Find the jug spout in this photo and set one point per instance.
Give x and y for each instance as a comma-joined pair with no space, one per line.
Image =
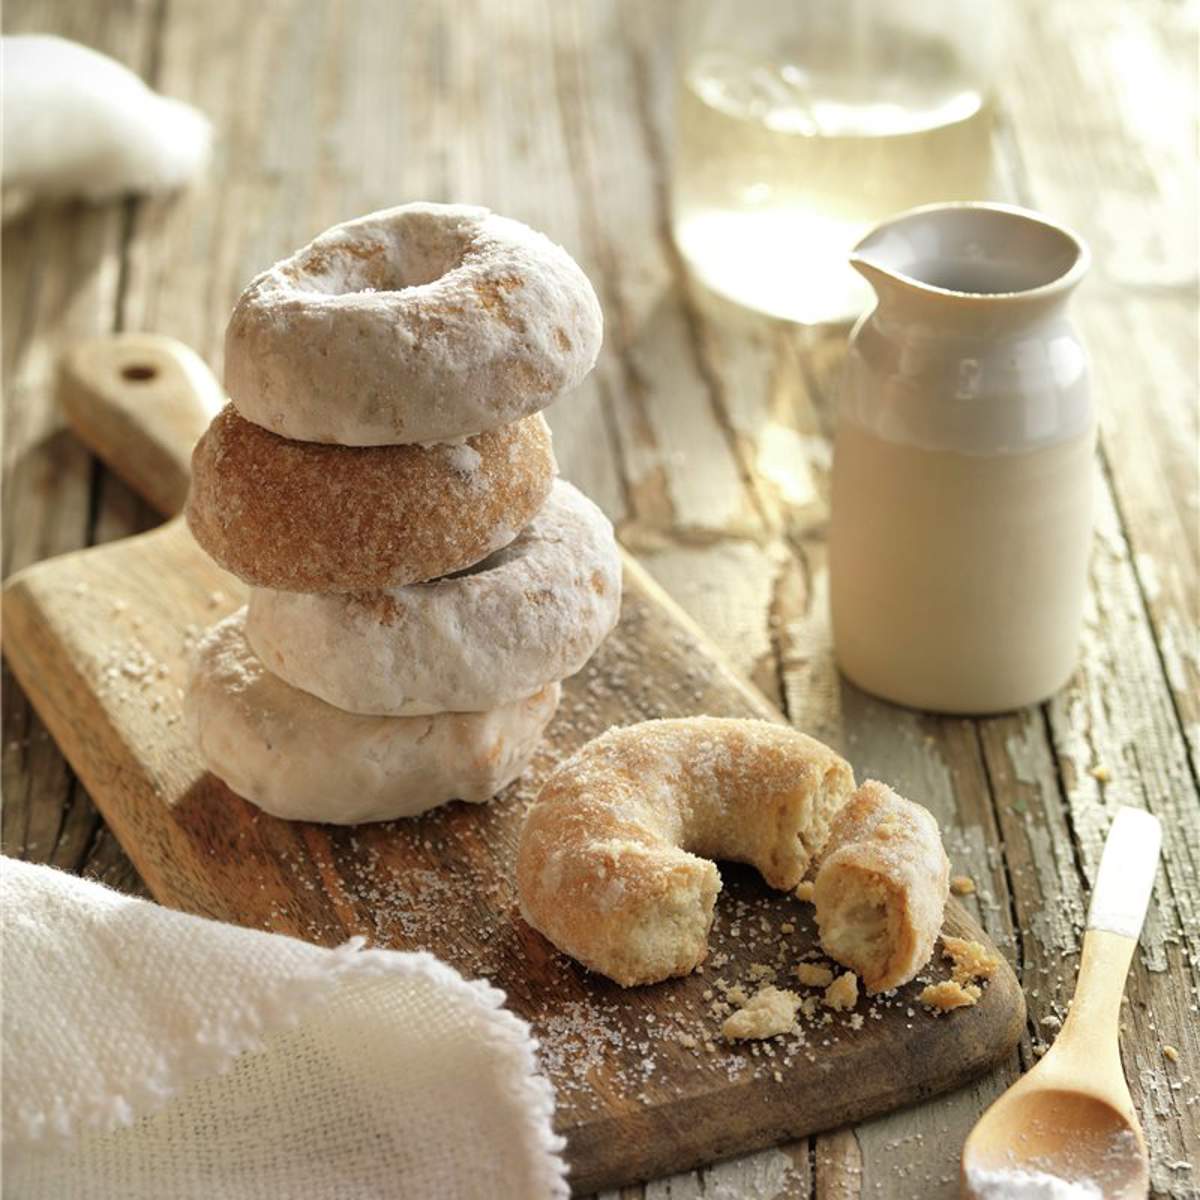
879,276
970,257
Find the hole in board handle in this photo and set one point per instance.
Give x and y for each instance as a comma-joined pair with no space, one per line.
138,372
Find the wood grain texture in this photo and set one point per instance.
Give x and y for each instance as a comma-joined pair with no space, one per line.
704,433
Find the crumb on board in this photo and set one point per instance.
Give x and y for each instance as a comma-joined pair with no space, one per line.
804,891
842,993
813,974
962,885
1170,1053
1101,774
947,995
971,960
770,1012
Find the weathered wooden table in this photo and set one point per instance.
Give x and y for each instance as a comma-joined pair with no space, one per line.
704,433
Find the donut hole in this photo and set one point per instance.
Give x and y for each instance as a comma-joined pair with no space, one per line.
410,252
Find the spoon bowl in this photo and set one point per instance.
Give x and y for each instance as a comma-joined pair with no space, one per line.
1068,1134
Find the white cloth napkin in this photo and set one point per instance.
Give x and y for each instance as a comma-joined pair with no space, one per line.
78,123
150,1054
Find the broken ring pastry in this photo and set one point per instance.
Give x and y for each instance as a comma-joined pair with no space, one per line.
298,758
529,614
881,888
614,862
304,517
422,323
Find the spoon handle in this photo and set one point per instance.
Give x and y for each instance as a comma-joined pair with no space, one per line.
1119,901
1126,876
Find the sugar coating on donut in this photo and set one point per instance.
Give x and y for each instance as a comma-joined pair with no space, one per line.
529,614
420,323
882,886
614,863
305,517
296,757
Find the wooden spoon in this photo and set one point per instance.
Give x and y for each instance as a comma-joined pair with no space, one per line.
1068,1128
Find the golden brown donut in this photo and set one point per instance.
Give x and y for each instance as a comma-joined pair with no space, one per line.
882,887
307,517
613,864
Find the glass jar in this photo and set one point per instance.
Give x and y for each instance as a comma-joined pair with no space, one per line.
801,124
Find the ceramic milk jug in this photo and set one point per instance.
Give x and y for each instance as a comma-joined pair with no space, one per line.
964,470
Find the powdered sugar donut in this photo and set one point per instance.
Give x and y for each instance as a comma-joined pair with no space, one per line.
422,323
299,758
311,518
531,613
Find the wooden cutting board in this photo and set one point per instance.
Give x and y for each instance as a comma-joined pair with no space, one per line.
100,638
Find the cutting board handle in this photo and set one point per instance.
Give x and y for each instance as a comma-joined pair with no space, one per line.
140,401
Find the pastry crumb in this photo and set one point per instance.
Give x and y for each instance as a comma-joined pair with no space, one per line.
1170,1053
971,962
812,974
842,993
1101,774
962,885
770,1012
970,959
947,995
804,891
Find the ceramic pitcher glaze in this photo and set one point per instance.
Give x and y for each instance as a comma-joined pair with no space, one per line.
964,473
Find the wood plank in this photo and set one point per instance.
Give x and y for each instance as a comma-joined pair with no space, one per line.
61,280
1114,155
1107,142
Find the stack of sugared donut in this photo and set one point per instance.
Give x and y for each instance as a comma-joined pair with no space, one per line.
384,481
